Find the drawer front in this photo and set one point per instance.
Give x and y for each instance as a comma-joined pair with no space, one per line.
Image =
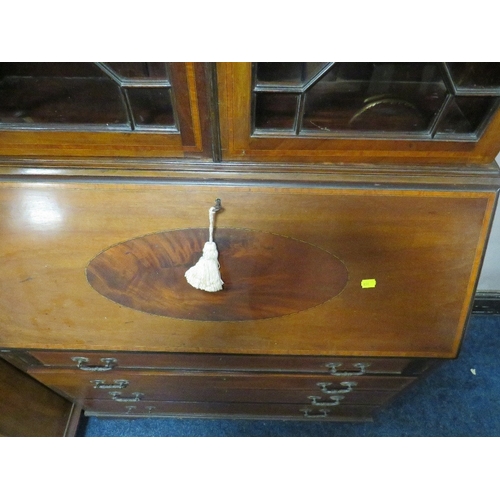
111,361
307,271
102,408
129,386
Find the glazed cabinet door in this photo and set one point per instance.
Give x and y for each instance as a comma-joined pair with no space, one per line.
424,113
104,110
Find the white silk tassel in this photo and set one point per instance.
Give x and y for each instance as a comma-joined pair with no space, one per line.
205,274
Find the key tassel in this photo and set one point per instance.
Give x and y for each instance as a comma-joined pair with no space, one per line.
205,274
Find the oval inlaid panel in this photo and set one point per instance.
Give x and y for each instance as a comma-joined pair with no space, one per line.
265,275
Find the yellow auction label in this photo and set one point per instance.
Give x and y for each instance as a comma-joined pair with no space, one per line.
371,283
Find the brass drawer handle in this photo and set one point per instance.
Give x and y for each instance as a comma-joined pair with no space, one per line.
361,366
335,401
130,409
322,413
117,384
109,364
324,387
116,396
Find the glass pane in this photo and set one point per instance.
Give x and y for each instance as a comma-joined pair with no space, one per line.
59,93
275,111
294,73
53,70
139,70
151,106
475,76
466,114
380,97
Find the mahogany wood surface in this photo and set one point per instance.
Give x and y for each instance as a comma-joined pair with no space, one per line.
28,409
193,106
219,386
423,247
283,275
181,361
284,411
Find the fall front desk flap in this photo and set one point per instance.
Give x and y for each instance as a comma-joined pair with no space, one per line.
323,271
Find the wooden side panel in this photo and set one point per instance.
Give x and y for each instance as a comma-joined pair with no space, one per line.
422,248
29,409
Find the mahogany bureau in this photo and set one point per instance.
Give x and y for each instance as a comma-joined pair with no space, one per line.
355,205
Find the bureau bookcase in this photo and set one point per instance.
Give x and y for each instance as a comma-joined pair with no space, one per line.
356,204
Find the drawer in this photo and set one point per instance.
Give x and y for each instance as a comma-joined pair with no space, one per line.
130,386
111,361
102,408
